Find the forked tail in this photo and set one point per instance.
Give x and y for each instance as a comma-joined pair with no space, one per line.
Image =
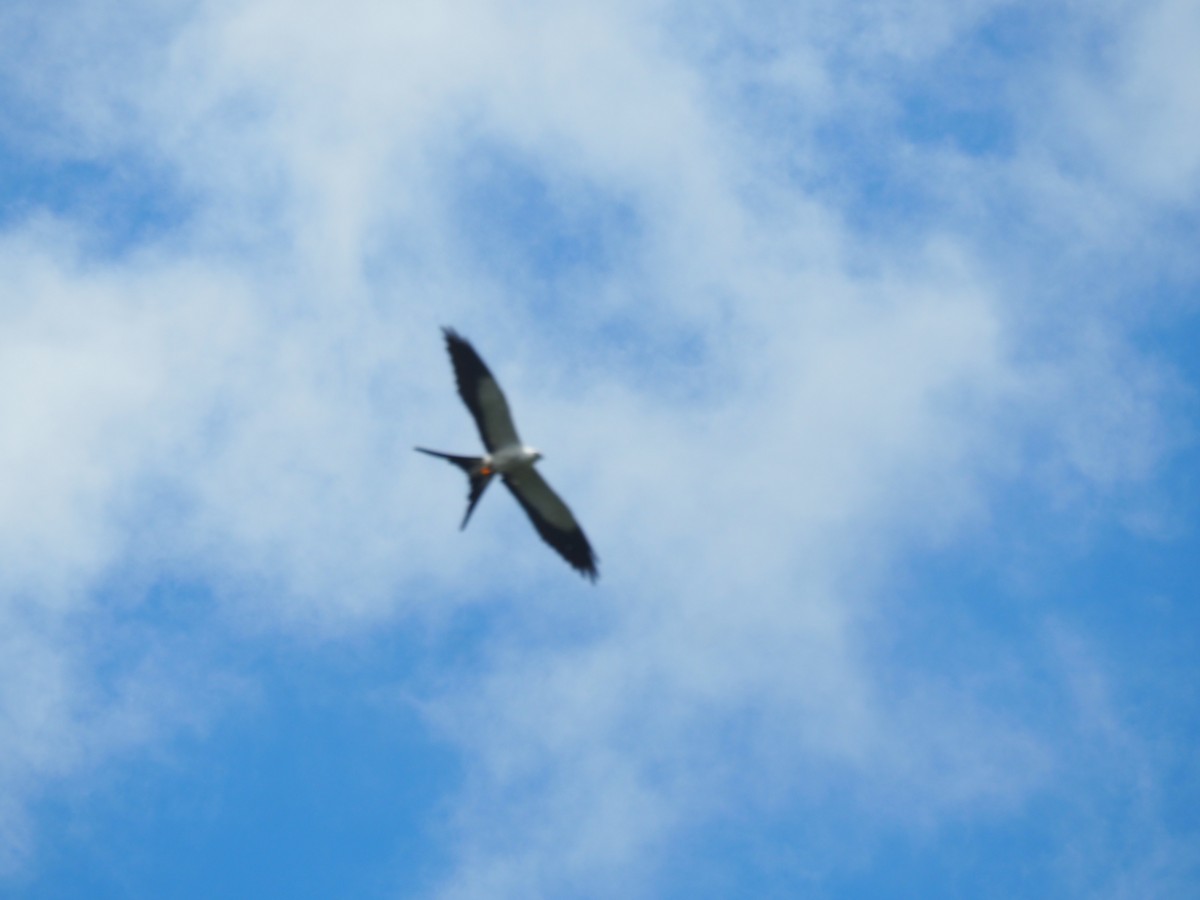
478,477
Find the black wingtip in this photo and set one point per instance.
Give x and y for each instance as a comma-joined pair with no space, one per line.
589,569
584,564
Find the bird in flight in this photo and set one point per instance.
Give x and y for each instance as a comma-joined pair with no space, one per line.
510,459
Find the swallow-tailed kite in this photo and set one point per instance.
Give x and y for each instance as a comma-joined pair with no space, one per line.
510,459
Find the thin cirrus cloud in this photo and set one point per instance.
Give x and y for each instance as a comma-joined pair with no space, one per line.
803,334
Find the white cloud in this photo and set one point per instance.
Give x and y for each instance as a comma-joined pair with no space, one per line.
1136,110
237,401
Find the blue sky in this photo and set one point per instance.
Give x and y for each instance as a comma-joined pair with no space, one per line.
860,336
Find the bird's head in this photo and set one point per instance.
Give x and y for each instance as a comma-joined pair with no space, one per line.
533,454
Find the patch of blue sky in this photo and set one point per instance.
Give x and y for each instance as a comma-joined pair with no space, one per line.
535,224
965,124
877,122
1121,567
837,849
542,232
324,784
555,240
966,616
1106,636
1094,823
877,183
141,588
983,856
1160,252
115,205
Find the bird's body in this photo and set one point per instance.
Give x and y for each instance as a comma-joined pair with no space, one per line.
509,458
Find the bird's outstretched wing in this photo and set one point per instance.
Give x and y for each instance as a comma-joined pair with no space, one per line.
479,390
552,519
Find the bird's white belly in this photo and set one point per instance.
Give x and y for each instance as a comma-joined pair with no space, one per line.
508,459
